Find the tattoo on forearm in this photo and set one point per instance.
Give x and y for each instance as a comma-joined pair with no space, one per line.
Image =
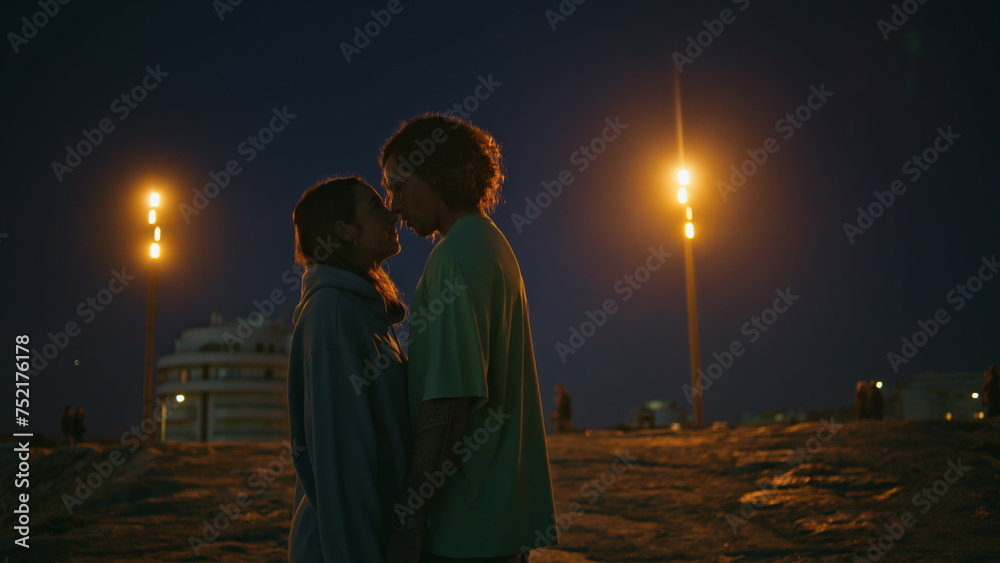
432,433
440,425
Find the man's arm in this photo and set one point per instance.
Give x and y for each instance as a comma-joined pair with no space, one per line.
440,425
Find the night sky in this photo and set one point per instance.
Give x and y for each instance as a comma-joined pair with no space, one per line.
880,96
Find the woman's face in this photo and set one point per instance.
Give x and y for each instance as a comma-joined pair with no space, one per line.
377,238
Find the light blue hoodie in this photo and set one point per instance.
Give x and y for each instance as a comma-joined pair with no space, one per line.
347,403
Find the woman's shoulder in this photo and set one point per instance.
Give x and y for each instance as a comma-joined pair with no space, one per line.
340,296
339,318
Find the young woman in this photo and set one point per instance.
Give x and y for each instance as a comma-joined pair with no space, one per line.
347,389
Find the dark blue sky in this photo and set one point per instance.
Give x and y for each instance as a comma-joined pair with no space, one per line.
553,90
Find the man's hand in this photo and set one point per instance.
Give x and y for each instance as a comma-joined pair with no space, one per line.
404,547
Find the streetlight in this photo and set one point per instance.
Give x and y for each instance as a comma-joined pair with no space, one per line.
684,180
163,416
154,253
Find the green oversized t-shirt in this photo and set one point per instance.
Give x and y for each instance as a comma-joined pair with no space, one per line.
470,337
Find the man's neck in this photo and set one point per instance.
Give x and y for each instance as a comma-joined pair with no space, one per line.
449,220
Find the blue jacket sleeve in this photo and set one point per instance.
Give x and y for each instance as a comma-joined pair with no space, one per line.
341,441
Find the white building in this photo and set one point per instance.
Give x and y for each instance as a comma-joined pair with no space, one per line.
226,382
947,396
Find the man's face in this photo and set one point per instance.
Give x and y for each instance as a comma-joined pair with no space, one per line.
413,198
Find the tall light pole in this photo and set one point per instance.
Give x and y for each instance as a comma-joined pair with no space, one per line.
154,254
684,179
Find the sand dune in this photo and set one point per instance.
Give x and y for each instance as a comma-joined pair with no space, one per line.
807,492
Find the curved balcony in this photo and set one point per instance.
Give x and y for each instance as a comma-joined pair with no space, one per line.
196,359
221,385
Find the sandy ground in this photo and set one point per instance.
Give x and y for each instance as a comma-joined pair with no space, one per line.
806,492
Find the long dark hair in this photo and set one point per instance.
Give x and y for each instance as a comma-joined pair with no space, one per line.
318,210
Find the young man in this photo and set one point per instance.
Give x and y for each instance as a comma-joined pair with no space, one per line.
478,485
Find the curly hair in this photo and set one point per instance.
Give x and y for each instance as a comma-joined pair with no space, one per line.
462,161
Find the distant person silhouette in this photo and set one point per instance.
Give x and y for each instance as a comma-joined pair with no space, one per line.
67,425
991,391
861,400
644,418
563,417
876,404
79,428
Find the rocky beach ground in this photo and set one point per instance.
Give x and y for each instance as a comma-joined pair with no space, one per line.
861,491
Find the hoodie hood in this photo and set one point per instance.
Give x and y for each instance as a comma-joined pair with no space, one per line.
320,276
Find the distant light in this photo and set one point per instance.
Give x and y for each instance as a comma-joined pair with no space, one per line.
76,362
975,395
152,216
688,213
154,250
683,177
980,414
682,195
156,234
180,398
689,230
154,199
947,416
878,384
